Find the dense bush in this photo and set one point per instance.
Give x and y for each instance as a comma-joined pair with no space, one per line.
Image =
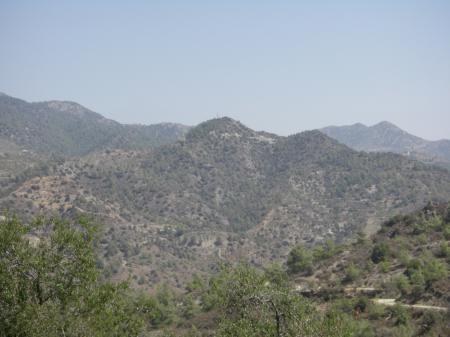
401,315
379,252
300,259
424,271
352,273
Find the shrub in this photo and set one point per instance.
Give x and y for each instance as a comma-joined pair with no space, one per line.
362,303
363,329
379,252
344,305
417,282
401,283
446,232
444,250
434,270
325,251
403,331
299,260
189,307
447,216
404,257
275,274
419,227
375,311
352,273
428,268
401,315
384,266
429,319
422,239
196,284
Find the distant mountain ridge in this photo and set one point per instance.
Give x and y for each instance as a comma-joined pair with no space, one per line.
386,137
68,128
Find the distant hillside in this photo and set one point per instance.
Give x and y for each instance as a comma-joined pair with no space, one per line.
227,192
386,137
69,129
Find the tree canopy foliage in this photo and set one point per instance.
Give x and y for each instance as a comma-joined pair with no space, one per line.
261,303
48,283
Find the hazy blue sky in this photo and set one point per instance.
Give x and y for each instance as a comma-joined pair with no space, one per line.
280,66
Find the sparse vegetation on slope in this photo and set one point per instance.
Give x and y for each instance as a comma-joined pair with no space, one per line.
227,192
405,266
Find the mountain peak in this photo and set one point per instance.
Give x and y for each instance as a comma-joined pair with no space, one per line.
223,122
386,125
223,127
359,125
313,139
68,106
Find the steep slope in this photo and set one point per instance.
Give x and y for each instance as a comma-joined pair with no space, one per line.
386,137
67,128
228,192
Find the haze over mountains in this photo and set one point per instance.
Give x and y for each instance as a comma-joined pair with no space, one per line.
67,128
386,137
187,198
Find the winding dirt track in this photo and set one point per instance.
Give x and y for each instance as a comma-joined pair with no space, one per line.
392,302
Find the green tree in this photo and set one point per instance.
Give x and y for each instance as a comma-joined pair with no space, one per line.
48,283
299,260
253,305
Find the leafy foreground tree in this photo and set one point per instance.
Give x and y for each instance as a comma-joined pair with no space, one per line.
49,287
261,304
48,284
